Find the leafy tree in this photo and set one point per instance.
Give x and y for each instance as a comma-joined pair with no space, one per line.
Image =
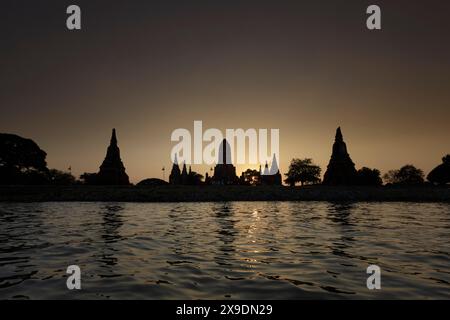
303,171
251,177
441,174
407,175
61,178
21,161
194,178
32,177
369,177
390,176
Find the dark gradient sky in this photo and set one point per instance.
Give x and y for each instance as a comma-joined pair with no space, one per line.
305,67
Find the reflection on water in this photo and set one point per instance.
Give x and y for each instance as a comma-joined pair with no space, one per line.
111,237
248,250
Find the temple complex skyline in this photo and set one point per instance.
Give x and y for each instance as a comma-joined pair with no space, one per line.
341,170
305,68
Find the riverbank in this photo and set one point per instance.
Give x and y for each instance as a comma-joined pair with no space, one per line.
171,193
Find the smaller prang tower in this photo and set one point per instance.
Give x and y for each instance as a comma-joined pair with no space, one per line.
112,170
341,169
272,177
184,174
175,174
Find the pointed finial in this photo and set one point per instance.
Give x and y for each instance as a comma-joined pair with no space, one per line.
113,137
274,159
224,154
274,168
339,135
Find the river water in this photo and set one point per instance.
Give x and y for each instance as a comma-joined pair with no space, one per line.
235,250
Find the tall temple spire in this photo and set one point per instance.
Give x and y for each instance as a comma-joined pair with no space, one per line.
224,171
341,169
112,170
175,174
266,169
272,176
224,151
274,167
184,174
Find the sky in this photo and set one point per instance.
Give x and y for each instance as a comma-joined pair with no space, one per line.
147,68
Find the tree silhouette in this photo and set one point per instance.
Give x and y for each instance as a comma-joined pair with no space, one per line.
441,174
406,175
57,177
369,177
21,161
303,171
251,177
390,176
194,178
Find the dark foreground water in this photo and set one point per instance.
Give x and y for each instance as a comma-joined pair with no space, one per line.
241,250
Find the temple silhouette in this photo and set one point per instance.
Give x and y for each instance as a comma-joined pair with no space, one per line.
272,176
175,174
184,176
112,170
224,171
24,164
341,169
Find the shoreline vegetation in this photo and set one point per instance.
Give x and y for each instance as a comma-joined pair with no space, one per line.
178,193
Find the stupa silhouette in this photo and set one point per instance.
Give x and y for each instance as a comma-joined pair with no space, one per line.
112,170
341,169
175,174
272,176
224,171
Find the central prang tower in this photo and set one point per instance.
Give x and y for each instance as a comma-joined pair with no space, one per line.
341,169
224,171
112,170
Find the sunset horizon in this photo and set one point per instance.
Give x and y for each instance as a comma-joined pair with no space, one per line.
203,168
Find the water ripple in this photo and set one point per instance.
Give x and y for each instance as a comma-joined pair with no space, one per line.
237,250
